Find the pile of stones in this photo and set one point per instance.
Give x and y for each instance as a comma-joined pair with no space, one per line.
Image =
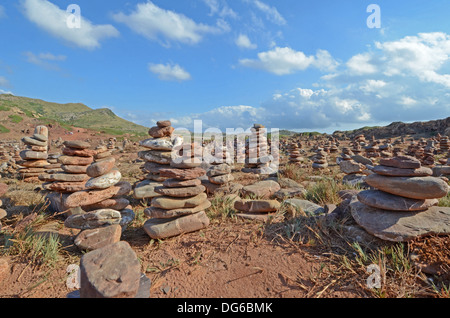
34,157
156,157
257,150
74,161
100,211
444,144
181,207
320,159
295,155
403,206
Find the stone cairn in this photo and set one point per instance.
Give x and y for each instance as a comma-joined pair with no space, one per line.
156,157
295,155
74,161
444,144
403,205
257,158
320,159
103,212
219,174
34,157
181,207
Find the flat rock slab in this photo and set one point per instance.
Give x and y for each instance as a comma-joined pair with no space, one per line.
399,172
33,155
110,272
222,179
88,197
170,203
161,157
74,169
78,152
146,189
34,142
78,144
288,193
218,170
350,166
182,174
257,206
175,183
386,201
164,143
262,189
399,227
181,192
104,181
158,213
113,203
93,220
89,240
64,177
74,160
404,162
158,132
260,217
410,187
165,228
305,206
66,187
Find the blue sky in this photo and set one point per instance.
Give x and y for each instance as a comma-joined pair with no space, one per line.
288,64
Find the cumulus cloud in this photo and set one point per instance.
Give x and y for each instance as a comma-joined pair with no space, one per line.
285,60
244,42
162,25
53,20
169,72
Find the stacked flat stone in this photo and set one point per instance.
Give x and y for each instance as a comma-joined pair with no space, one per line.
372,150
181,207
444,144
320,159
260,210
406,193
220,171
74,161
53,165
105,213
295,156
257,158
34,157
156,157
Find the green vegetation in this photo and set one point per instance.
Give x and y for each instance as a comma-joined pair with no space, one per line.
15,118
72,114
4,130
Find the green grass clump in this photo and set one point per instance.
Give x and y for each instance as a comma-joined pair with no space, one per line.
4,130
15,118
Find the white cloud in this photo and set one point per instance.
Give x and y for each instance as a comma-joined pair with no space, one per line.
360,64
53,20
220,8
154,22
284,61
244,42
169,72
45,60
272,13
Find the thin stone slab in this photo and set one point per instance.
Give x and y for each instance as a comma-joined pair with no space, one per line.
182,174
257,206
175,183
223,179
161,157
169,203
33,155
382,200
410,187
74,169
64,177
65,187
113,203
181,192
157,143
262,189
89,197
34,163
403,162
400,227
306,206
165,228
78,152
78,144
146,189
399,172
113,271
94,219
218,170
34,142
74,160
104,181
158,213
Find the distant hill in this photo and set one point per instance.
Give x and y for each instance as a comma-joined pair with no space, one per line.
422,129
71,114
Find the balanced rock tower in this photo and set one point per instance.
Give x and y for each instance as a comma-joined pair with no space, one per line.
404,204
181,207
34,157
257,149
320,159
156,157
